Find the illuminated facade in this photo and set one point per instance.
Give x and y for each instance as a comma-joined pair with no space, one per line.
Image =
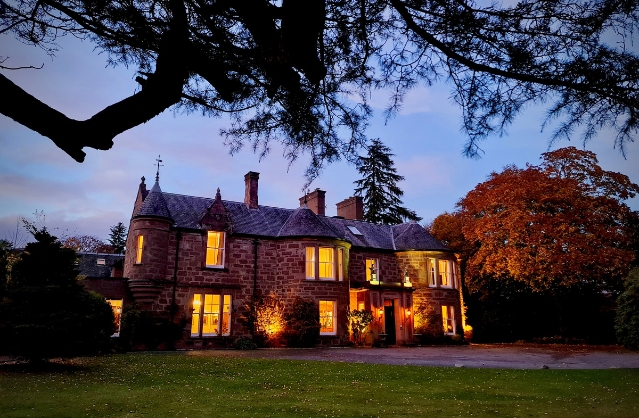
202,260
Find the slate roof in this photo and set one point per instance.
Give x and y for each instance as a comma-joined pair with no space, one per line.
154,203
267,221
88,264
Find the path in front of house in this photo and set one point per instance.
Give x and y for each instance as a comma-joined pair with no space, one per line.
506,356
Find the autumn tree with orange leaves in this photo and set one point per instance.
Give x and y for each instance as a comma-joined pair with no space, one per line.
547,247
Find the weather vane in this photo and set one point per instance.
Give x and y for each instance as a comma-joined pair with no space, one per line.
157,174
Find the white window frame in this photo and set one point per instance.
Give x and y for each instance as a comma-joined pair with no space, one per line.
199,315
340,264
333,317
310,262
222,249
446,276
432,272
313,263
329,265
448,319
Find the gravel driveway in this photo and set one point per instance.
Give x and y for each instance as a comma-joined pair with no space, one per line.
509,356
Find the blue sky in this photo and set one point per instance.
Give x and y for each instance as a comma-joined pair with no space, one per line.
87,198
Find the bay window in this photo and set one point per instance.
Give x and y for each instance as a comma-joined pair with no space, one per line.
432,277
445,271
320,262
326,265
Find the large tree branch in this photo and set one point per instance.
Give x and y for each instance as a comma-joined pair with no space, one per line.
160,90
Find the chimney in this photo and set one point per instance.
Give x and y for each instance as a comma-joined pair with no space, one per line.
250,189
316,201
351,208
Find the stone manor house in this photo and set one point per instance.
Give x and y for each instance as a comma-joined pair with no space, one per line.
208,257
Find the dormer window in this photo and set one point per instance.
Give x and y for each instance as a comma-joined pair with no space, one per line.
101,262
215,249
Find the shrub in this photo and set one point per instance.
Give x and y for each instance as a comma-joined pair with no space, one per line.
46,313
358,322
147,330
302,324
428,325
244,343
627,319
264,316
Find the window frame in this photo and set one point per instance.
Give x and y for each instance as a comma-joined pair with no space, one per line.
431,272
116,306
443,274
368,272
222,249
223,314
448,318
139,249
329,266
333,316
313,263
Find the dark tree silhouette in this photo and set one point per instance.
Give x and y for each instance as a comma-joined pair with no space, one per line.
117,238
382,196
45,312
288,71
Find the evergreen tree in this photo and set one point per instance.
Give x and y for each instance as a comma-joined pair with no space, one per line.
382,197
45,312
117,238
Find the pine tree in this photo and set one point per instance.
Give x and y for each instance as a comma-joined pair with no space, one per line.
382,197
117,238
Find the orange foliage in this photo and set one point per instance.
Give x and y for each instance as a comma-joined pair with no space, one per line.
562,223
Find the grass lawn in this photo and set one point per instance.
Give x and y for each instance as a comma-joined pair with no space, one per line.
183,385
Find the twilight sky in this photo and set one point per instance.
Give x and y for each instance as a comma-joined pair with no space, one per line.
87,198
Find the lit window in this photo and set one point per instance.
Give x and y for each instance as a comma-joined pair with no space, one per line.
320,262
215,249
445,271
211,315
116,305
432,282
138,249
372,270
327,317
326,265
448,317
340,264
310,262
101,262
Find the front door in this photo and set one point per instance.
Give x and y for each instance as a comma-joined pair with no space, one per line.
389,322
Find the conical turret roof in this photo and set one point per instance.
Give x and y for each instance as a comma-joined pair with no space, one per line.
154,204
